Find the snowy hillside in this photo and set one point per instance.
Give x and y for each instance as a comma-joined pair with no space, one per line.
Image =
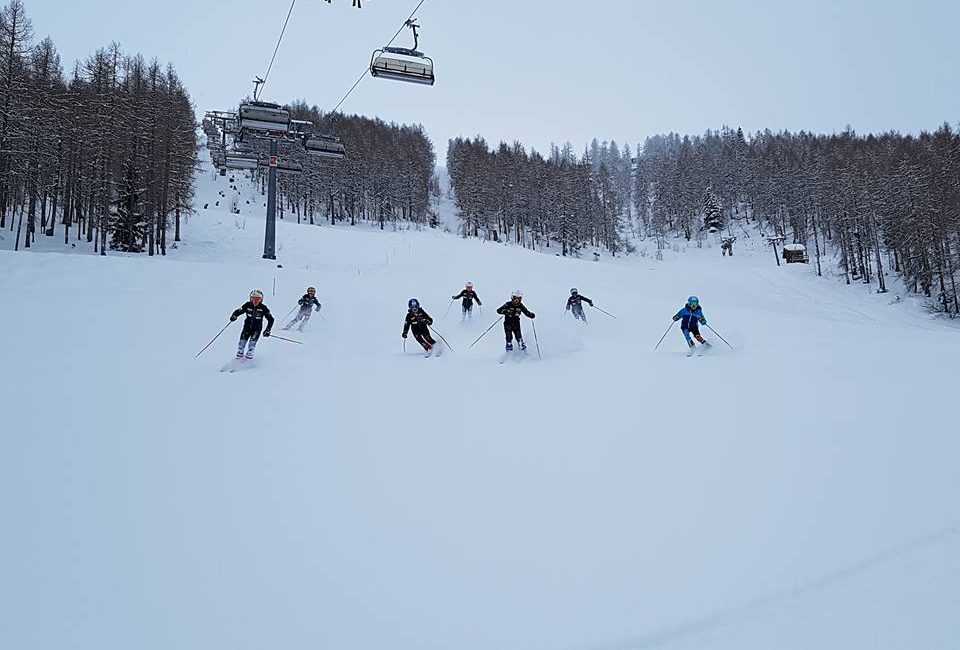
799,491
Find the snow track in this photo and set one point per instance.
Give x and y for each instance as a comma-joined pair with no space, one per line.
797,492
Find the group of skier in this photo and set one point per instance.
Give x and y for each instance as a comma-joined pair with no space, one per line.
418,321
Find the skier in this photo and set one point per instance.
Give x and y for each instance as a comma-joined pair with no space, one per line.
307,304
574,303
255,312
468,295
511,311
419,321
691,318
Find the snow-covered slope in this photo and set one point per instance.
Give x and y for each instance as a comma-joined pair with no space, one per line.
796,492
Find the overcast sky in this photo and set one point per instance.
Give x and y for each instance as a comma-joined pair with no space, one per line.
543,71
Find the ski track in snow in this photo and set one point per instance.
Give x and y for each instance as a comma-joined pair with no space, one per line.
343,494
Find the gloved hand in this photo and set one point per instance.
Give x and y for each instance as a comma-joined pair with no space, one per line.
317,309
703,321
266,333
430,322
676,318
453,297
232,318
404,335
532,315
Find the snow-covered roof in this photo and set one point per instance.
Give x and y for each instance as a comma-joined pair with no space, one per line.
794,247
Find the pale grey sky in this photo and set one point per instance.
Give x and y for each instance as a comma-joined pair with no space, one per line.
543,71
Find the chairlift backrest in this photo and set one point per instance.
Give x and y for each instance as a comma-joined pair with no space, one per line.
284,166
324,147
264,116
415,69
241,160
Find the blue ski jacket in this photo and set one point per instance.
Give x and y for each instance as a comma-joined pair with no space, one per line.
690,317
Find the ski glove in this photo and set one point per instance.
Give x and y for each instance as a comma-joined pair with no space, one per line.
233,318
703,321
404,335
266,333
532,315
676,318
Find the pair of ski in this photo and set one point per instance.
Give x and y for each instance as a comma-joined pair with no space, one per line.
699,351
435,351
518,355
240,363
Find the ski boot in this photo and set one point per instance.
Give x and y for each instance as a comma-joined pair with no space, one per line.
509,347
523,345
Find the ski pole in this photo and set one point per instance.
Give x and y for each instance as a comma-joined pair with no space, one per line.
664,336
404,344
289,312
274,336
214,339
603,311
322,316
448,309
441,336
718,336
535,339
485,332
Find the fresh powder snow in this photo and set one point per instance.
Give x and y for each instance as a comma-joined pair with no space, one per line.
796,491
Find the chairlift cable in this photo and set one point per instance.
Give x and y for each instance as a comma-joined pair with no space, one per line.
389,43
277,48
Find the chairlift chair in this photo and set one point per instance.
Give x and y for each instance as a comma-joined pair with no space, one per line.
403,64
264,116
324,146
283,166
241,160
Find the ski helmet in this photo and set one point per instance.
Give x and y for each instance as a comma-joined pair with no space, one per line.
256,295
693,300
573,291
413,303
516,294
469,285
311,289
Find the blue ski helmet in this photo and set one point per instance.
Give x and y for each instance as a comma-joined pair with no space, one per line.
573,291
693,300
413,303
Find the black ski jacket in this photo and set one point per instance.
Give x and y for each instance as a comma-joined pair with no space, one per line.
416,318
307,301
574,301
254,313
468,295
511,311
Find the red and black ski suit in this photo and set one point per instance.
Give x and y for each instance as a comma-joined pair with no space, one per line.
511,311
419,321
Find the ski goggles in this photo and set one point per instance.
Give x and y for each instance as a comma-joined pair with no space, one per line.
694,302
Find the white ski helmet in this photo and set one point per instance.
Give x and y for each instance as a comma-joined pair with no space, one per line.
469,285
256,293
516,294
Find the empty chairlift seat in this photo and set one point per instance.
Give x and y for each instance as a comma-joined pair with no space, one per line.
401,64
264,116
284,166
324,146
241,160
